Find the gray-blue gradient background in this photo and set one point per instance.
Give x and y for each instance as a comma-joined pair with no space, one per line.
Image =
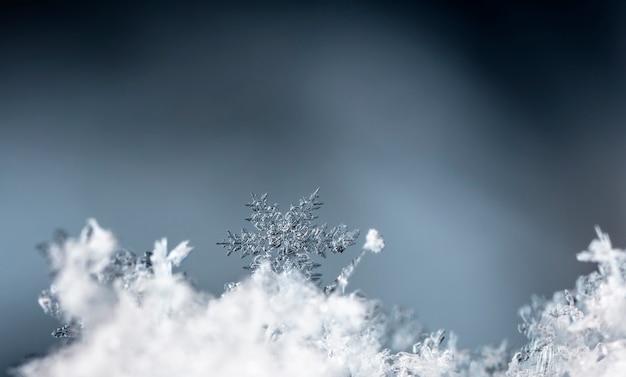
483,141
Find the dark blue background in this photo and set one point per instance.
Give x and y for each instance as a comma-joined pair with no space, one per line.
484,141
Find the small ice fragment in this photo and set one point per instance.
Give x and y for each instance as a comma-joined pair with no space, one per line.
179,253
374,242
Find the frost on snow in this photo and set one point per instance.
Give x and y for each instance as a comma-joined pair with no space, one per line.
129,315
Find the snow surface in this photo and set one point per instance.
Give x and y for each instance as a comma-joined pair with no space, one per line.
131,316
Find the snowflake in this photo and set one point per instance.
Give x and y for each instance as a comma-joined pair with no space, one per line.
287,241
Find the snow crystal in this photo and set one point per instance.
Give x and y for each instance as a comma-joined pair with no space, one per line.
374,242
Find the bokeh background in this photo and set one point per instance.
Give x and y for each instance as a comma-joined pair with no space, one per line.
484,140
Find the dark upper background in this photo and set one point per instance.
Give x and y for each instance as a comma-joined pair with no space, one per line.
484,141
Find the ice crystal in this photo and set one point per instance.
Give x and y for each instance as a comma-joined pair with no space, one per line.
287,241
582,332
374,243
121,268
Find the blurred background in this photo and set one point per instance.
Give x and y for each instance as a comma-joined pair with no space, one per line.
484,141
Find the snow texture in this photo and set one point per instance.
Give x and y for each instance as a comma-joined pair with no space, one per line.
131,316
